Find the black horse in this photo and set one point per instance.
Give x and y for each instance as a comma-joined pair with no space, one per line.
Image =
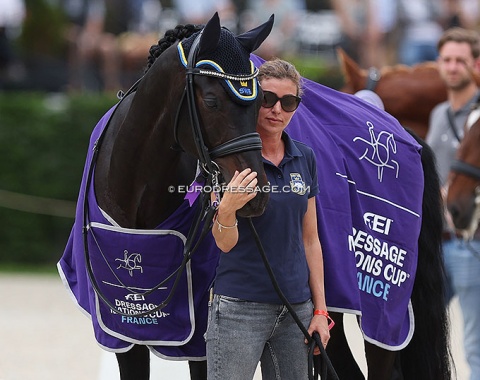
197,102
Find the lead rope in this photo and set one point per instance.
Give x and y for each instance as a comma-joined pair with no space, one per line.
325,364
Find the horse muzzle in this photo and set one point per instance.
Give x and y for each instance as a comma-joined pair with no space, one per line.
256,206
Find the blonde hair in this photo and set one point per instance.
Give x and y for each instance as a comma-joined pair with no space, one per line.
279,69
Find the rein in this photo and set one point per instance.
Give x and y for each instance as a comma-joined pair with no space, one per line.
201,214
314,362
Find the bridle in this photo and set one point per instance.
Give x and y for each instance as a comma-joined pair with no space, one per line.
373,78
465,168
472,171
205,211
243,143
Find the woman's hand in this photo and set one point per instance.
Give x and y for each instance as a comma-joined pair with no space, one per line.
319,323
240,190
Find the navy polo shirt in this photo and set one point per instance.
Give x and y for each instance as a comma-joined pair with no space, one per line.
241,272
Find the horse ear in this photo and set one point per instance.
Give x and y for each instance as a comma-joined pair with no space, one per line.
210,36
252,39
355,77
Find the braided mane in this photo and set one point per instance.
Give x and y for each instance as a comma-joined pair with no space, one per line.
171,36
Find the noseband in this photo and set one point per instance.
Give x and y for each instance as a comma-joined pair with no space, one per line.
462,167
243,143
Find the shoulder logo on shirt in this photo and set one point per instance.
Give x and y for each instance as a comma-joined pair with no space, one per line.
297,184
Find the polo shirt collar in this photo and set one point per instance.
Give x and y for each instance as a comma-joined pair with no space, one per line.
291,150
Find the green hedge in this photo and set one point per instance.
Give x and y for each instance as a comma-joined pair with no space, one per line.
43,142
326,72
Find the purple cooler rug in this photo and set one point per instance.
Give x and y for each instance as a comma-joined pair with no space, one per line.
129,267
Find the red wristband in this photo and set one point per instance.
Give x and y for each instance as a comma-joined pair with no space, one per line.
325,314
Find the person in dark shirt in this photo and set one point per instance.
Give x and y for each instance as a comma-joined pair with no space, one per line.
248,321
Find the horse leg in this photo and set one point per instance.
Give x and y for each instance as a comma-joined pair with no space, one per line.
135,363
340,354
382,364
198,370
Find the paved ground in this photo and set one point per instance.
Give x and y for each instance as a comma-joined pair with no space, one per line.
43,336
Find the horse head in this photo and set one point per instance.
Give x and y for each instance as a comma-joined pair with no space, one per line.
224,101
463,197
199,96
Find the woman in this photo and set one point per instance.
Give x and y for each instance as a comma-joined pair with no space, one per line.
248,322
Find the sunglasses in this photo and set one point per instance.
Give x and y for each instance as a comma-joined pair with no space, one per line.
289,103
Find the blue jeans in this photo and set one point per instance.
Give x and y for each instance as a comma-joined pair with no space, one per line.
241,333
463,271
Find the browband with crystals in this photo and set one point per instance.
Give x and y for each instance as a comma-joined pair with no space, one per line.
221,75
242,87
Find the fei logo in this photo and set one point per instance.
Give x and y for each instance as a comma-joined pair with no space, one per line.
134,297
377,223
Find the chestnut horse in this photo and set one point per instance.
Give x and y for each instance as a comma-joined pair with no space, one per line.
408,93
463,198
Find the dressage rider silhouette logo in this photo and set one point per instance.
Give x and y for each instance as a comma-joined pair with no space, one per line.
377,150
130,262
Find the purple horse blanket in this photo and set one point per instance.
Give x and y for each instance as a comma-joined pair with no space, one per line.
369,209
369,217
129,267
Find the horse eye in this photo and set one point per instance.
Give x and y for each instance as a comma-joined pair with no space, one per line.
211,102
